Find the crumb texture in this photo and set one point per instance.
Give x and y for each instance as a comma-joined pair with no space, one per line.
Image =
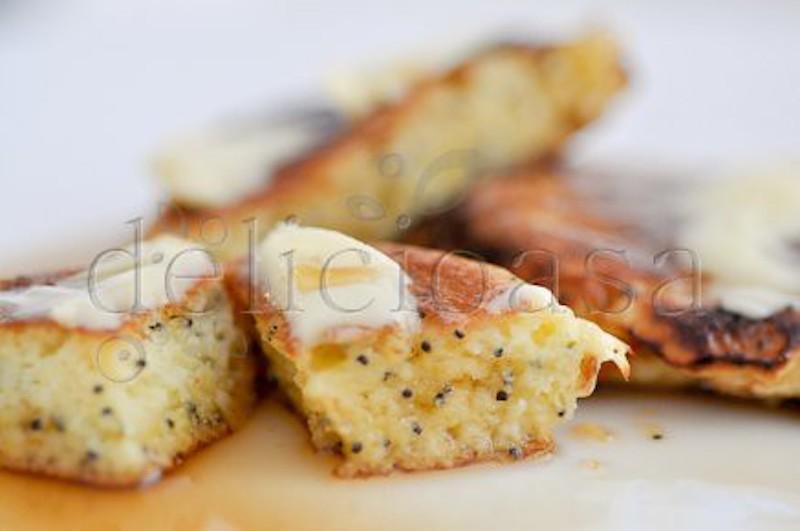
119,408
492,389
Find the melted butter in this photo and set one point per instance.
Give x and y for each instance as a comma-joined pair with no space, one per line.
220,165
745,230
312,278
589,431
757,302
121,281
326,282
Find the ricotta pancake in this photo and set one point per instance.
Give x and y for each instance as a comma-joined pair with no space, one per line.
111,380
407,358
696,278
411,155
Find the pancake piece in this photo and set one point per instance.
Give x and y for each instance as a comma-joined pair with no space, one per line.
505,105
599,242
407,358
95,392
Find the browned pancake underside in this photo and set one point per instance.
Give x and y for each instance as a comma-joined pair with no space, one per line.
715,335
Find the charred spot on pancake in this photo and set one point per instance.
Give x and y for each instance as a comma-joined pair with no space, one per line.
711,336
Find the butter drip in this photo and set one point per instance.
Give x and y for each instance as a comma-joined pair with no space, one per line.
105,296
331,286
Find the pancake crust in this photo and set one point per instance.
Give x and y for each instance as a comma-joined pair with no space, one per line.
546,230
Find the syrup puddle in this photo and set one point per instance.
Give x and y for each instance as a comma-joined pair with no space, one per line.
232,484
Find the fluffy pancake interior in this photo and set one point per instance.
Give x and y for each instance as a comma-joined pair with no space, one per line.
446,395
116,408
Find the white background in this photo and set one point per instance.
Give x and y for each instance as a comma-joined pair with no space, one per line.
89,89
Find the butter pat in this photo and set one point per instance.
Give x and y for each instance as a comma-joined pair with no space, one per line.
745,231
330,286
221,165
756,302
104,296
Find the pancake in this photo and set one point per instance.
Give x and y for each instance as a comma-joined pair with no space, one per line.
95,392
404,358
575,235
505,105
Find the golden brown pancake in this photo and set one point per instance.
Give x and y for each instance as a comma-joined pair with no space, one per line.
548,228
117,399
482,369
505,105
